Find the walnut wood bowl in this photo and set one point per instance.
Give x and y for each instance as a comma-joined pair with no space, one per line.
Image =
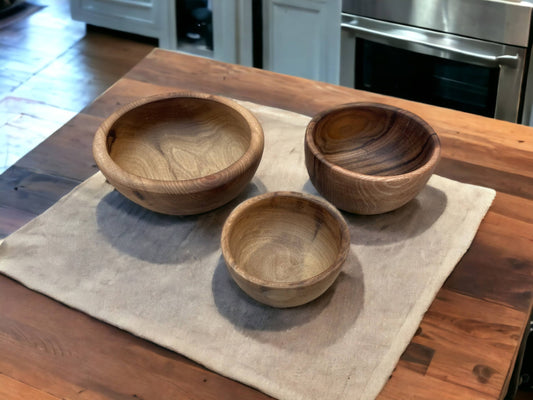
369,158
179,153
285,249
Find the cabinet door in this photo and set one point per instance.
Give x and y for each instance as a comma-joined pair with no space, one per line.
302,38
149,18
232,28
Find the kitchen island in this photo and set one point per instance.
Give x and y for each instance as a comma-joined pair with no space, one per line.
466,346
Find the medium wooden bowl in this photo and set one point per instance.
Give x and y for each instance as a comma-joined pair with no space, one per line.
285,249
179,153
369,158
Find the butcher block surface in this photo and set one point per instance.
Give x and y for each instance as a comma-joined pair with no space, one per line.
467,343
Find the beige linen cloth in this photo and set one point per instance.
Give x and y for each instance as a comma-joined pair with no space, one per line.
163,278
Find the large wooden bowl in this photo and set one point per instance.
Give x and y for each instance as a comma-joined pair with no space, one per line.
179,153
368,158
285,249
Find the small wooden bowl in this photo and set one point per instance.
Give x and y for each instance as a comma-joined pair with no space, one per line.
285,249
179,153
369,158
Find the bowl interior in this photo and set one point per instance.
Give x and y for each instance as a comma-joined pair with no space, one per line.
178,138
374,140
284,240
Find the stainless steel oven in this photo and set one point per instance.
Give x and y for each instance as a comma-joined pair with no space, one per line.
469,55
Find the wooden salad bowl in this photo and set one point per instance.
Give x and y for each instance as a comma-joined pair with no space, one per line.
179,153
369,158
285,249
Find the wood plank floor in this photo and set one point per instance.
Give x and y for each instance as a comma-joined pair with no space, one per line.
51,67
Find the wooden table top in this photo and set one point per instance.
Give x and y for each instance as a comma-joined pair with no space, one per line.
467,343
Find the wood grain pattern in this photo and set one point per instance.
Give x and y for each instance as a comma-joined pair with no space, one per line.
478,318
285,249
468,337
370,158
13,389
68,148
179,153
31,191
70,355
12,218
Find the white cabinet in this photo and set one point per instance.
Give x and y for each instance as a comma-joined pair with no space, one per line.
151,18
219,29
232,31
302,38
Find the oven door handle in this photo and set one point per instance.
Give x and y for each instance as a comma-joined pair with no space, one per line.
489,60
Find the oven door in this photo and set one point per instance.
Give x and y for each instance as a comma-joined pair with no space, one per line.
446,70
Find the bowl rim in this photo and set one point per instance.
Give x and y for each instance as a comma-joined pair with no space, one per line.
189,186
246,205
426,167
